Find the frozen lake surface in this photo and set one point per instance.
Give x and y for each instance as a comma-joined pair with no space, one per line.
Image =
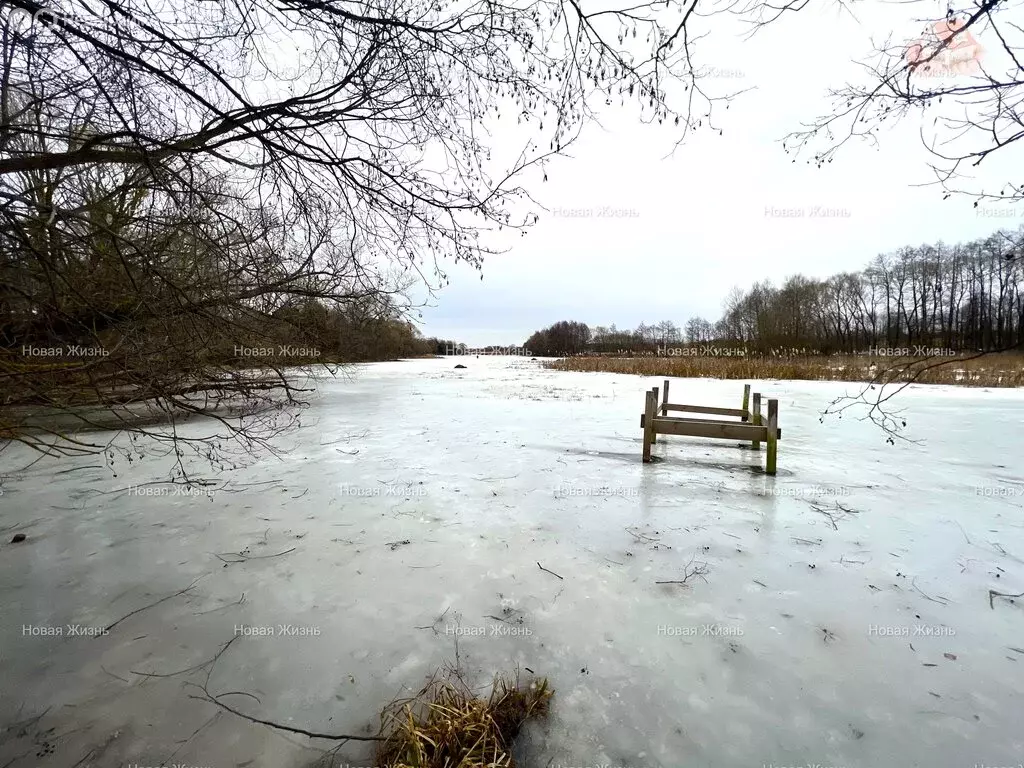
837,614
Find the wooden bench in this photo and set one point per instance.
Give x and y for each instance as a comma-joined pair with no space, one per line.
751,425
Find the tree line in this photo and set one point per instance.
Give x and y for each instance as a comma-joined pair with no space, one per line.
965,297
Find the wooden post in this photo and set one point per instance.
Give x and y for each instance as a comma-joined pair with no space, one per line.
650,406
664,400
756,419
773,444
746,401
654,435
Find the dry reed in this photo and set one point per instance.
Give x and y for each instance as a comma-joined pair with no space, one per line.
994,370
447,726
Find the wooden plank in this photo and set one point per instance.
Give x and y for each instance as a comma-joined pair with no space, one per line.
704,409
720,430
649,411
688,420
664,399
746,402
756,419
654,434
773,433
694,420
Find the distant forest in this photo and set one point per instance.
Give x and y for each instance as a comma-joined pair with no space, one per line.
966,297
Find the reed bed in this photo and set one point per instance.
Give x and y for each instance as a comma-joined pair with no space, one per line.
447,726
995,370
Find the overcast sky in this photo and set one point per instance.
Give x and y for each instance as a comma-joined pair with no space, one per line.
677,232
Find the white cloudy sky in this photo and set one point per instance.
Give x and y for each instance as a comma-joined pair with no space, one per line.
698,223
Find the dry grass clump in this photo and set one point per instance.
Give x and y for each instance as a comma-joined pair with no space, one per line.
995,370
447,726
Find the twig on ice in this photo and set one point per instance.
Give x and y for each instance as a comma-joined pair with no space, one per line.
239,601
846,511
145,607
993,594
436,622
243,557
940,600
547,571
689,571
208,697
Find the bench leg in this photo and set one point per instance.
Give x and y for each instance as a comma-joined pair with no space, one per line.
773,436
649,408
756,419
654,435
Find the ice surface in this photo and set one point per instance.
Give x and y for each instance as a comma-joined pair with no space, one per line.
804,637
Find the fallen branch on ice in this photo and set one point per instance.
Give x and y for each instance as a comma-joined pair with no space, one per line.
992,594
837,513
145,607
208,697
242,556
939,600
551,572
689,571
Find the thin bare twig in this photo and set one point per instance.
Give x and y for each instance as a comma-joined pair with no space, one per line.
239,601
547,571
992,594
243,557
689,571
215,700
436,621
146,607
940,600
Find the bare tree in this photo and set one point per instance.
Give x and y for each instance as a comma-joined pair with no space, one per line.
175,177
964,71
